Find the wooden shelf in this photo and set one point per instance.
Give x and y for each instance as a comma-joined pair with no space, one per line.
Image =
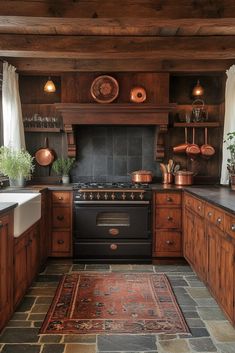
41,129
200,124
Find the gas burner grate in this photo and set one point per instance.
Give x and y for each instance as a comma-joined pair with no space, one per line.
110,185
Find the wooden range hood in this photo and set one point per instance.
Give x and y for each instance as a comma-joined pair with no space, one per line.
115,114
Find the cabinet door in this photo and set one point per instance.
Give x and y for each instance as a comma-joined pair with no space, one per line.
20,268
189,235
44,242
226,276
6,269
213,236
32,253
200,250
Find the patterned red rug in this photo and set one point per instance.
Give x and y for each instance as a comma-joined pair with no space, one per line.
88,303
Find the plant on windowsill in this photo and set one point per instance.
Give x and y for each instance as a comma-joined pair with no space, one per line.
230,141
16,164
62,166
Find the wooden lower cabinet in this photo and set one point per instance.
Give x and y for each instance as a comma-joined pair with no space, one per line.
26,261
209,246
44,233
6,267
167,225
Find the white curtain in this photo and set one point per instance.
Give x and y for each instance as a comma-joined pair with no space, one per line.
13,129
229,120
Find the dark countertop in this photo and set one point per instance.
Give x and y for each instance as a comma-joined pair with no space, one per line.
7,206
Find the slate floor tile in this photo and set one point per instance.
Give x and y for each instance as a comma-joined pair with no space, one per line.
174,346
191,314
26,304
107,343
226,347
222,333
53,348
195,323
51,338
211,313
49,278
80,348
79,339
202,345
78,267
17,323
21,348
199,332
97,267
19,335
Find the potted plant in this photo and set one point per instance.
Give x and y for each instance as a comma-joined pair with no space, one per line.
16,164
230,141
62,166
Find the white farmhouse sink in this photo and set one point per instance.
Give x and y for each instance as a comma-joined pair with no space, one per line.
27,212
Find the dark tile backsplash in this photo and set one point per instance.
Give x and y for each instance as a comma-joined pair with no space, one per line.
109,153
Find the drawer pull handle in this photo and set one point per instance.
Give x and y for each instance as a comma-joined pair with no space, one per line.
60,218
60,198
169,199
209,214
169,218
199,208
60,241
233,227
1,224
219,220
113,231
113,246
169,242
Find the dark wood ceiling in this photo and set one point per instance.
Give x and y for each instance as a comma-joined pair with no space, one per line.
125,35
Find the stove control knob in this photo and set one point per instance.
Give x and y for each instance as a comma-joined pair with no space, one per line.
132,196
123,196
113,196
106,196
98,196
84,196
141,196
91,196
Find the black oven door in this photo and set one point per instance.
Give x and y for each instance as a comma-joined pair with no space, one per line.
93,222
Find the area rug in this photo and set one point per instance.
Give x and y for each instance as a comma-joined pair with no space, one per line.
133,303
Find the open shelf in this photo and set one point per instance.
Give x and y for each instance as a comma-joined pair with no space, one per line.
41,129
199,124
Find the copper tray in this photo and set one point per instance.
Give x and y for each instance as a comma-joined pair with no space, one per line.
104,89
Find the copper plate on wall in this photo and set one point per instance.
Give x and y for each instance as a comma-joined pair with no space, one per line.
104,89
138,95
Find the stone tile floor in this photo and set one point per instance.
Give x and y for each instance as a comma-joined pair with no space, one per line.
210,331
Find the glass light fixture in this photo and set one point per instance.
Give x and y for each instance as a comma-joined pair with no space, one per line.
49,86
198,90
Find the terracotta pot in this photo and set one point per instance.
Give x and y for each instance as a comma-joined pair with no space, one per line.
142,176
184,177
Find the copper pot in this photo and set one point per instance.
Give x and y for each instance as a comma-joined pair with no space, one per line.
193,150
45,156
183,177
142,176
207,150
183,146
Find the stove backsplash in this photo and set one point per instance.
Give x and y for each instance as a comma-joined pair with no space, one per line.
109,153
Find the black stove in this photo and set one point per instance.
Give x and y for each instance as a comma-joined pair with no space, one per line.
111,192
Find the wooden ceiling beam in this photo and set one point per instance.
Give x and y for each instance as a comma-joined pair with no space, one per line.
115,26
57,66
121,8
103,47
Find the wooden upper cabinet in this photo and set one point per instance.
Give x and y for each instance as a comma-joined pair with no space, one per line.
6,267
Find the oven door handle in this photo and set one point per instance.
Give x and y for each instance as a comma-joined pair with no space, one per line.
111,202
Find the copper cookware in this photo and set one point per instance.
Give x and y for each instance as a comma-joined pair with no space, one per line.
207,150
193,150
183,146
45,155
183,177
142,176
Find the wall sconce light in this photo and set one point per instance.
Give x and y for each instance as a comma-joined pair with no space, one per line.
198,90
49,86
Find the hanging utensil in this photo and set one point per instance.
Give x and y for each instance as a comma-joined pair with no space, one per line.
207,150
183,146
45,156
193,150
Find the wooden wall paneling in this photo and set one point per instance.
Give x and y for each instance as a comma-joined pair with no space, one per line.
31,90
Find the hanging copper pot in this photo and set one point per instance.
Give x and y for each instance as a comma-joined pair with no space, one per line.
207,150
183,146
193,150
45,156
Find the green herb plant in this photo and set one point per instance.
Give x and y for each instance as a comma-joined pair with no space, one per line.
16,163
62,166
230,141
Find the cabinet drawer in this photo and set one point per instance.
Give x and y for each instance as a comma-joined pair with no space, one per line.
168,218
215,216
167,241
61,217
229,225
61,242
168,198
194,204
61,197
